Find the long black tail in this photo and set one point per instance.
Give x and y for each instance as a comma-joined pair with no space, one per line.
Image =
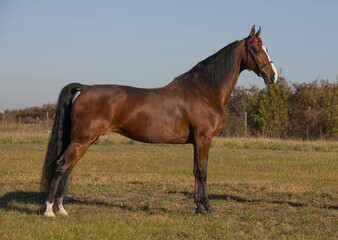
60,137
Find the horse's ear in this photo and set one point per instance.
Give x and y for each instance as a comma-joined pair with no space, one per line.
252,33
258,33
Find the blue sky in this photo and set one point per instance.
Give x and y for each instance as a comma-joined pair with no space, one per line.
45,45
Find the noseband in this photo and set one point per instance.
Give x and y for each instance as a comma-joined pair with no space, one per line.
249,51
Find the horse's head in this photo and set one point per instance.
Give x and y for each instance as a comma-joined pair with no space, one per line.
257,58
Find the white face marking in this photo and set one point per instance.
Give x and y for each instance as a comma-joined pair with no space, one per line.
272,65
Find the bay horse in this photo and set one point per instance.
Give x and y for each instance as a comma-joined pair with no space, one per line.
187,110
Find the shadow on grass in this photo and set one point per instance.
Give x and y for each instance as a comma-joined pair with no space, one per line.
243,200
20,201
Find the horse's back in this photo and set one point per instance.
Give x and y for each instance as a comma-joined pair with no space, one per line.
149,115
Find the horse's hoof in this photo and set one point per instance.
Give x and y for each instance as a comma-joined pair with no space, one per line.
49,214
200,209
209,209
62,212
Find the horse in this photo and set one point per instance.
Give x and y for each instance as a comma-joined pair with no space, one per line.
189,110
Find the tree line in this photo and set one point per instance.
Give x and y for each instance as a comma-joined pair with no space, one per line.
29,115
304,111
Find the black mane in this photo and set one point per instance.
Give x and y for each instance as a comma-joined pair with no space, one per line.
214,69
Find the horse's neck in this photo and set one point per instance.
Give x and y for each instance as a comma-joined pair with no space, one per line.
226,86
229,83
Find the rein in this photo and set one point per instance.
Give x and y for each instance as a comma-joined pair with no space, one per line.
249,51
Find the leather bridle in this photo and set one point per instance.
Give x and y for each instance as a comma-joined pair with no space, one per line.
249,51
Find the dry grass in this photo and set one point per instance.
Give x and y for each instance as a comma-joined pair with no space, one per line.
261,189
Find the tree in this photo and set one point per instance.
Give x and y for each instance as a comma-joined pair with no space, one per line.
237,111
314,109
272,111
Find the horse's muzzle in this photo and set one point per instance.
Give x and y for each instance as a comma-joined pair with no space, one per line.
269,79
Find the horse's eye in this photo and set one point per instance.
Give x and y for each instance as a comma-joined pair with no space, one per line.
257,51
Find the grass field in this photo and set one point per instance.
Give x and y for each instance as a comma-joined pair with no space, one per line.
121,189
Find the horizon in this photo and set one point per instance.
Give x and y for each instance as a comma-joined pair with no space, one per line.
44,46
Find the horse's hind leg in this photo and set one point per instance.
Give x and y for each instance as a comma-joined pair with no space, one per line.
60,192
64,165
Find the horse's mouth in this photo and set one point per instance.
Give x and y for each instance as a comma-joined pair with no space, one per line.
267,79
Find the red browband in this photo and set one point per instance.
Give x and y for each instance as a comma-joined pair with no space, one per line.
255,40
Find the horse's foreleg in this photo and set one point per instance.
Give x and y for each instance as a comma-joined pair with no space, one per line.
201,151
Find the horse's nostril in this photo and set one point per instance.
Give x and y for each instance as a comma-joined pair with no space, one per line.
272,78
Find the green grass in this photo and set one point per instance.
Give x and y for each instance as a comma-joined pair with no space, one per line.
261,189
